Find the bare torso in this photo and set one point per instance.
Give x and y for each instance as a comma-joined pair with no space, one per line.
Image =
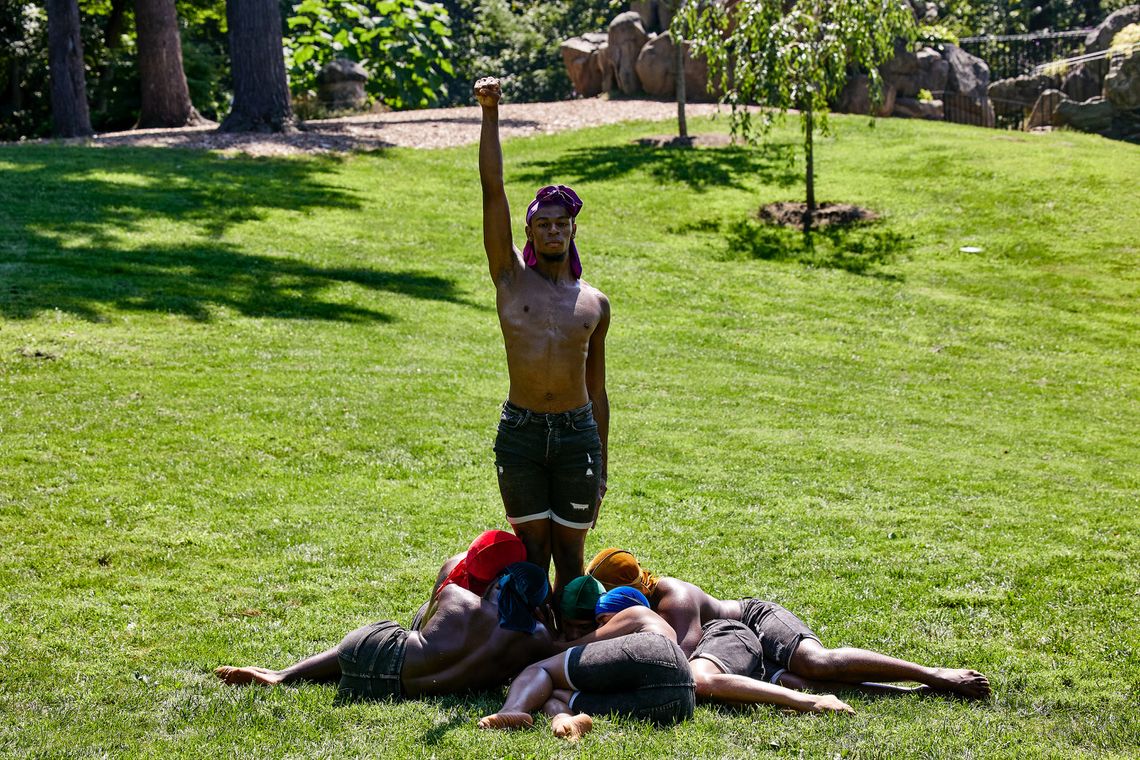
461,647
547,328
686,607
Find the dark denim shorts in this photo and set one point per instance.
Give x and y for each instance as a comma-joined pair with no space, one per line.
642,675
731,646
371,659
549,465
780,632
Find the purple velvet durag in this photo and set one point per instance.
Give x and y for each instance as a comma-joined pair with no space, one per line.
555,195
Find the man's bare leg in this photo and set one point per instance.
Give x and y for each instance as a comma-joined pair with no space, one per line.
568,547
323,667
850,665
714,684
535,535
562,723
529,691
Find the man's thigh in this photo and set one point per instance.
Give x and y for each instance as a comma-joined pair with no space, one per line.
575,480
636,661
524,481
780,632
663,705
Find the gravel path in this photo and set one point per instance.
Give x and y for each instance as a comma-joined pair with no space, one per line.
432,128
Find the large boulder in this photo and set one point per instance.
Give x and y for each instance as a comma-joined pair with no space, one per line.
901,71
969,75
1122,83
1044,108
933,71
1016,94
626,38
655,15
1101,37
606,67
580,56
1084,81
656,70
964,109
1093,115
910,108
656,67
340,85
856,97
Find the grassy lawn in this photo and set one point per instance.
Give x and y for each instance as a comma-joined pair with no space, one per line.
247,405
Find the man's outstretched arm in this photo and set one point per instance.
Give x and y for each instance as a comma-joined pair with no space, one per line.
501,254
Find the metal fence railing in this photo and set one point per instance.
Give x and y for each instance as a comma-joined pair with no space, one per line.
1017,54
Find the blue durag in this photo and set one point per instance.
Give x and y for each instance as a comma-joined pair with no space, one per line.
522,587
620,598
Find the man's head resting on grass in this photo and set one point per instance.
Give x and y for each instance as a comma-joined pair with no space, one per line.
523,588
551,226
487,556
613,602
617,567
576,607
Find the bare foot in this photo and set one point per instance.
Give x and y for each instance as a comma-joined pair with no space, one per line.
243,676
507,720
571,727
966,683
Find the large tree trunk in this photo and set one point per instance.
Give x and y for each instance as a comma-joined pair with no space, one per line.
70,116
261,92
165,96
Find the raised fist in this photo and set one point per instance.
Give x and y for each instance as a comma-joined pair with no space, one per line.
488,91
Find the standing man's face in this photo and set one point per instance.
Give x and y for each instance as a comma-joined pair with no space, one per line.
551,229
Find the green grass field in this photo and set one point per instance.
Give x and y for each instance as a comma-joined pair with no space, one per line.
247,405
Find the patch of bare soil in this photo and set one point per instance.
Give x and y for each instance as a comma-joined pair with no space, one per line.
791,214
712,140
429,128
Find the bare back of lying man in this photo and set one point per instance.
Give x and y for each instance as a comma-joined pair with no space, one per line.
793,655
466,642
551,448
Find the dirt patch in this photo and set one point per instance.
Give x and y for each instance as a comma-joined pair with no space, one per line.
711,140
791,214
431,128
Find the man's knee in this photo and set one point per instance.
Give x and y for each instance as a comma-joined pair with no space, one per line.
812,660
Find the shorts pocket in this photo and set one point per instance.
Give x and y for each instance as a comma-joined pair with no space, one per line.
511,419
584,424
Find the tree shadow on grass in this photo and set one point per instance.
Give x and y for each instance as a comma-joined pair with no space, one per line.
62,242
859,248
734,166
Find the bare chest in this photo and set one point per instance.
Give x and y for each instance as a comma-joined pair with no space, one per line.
563,314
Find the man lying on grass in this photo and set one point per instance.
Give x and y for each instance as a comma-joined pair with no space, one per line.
632,666
793,655
466,642
551,446
724,662
475,569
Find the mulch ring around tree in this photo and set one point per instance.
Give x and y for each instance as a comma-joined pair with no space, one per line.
711,140
791,214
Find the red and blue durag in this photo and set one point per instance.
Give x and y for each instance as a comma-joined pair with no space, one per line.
618,599
486,558
554,195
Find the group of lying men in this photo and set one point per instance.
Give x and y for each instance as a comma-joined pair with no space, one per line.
618,640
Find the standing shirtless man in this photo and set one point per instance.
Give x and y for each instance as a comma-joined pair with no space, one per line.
550,451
